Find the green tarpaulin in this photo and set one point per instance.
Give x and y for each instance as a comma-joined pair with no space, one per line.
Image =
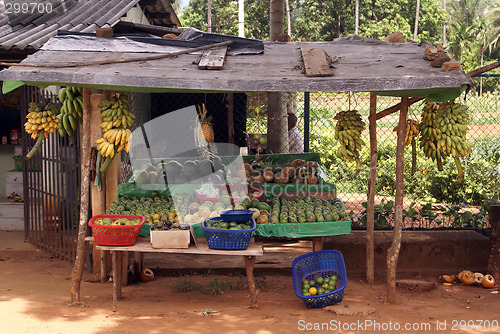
300,230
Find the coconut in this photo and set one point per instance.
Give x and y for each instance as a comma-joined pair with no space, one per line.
488,281
478,278
466,277
147,275
447,278
312,179
268,176
280,178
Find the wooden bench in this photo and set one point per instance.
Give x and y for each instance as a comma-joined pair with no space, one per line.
144,246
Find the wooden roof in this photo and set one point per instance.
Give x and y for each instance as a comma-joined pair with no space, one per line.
358,64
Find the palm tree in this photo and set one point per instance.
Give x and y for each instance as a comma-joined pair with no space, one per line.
492,19
462,39
464,11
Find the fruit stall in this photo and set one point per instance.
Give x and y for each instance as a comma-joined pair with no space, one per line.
361,64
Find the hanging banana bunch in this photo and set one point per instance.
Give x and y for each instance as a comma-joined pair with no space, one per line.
452,119
429,131
116,119
71,115
41,121
348,133
412,131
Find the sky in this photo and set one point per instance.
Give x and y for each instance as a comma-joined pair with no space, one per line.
183,3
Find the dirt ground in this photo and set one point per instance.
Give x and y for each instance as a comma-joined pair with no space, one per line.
35,295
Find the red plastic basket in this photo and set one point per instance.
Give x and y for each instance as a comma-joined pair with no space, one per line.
116,235
251,188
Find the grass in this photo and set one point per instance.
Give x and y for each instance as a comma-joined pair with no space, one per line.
213,288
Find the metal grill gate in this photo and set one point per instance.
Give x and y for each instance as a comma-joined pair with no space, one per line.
51,181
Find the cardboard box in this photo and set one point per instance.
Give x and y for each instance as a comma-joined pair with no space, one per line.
170,239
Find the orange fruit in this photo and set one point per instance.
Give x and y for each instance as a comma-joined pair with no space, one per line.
313,291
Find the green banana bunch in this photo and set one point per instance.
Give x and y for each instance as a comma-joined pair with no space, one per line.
71,115
348,133
429,131
115,114
452,119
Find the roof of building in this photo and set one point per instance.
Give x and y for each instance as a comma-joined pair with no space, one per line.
30,30
358,63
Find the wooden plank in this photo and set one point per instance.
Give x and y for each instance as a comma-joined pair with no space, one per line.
315,62
213,59
361,67
143,245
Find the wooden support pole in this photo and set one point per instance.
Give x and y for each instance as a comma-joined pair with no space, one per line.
115,279
98,198
317,244
77,272
393,251
494,261
370,206
249,264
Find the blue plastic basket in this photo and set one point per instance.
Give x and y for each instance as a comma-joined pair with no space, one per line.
323,263
228,239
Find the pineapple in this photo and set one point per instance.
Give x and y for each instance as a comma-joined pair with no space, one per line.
205,129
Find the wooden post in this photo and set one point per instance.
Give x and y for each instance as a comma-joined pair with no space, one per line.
370,206
77,272
115,279
393,251
317,244
276,128
249,264
494,261
98,197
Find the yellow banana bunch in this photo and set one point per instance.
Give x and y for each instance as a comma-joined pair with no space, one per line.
41,120
116,121
348,133
412,132
71,115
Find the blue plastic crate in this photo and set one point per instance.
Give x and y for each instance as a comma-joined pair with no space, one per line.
228,239
323,263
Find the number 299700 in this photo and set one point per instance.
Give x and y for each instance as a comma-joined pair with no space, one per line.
25,7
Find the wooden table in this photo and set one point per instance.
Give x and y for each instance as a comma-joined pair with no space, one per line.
144,246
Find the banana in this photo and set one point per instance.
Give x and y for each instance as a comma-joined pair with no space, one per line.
62,94
69,94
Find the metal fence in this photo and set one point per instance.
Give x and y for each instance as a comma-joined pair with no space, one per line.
51,180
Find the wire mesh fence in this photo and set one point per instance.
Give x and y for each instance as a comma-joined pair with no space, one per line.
433,198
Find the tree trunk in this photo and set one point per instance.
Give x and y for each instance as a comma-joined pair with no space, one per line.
77,273
415,31
370,207
209,16
277,130
393,251
277,19
356,22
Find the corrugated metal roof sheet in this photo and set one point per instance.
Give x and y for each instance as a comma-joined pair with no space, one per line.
32,30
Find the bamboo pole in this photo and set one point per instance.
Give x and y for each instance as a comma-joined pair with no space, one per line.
393,251
77,272
370,207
